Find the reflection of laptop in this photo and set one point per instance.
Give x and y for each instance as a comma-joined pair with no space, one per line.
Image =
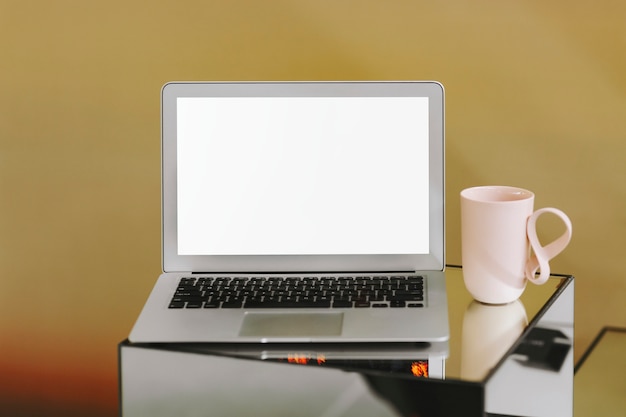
167,380
358,379
427,360
300,212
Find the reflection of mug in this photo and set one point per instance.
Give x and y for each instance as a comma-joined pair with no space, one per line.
498,229
488,332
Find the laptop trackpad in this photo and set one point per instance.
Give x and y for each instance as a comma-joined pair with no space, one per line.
292,324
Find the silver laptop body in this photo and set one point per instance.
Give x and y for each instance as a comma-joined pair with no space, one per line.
299,181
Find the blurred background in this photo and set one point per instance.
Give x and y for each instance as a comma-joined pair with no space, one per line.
536,98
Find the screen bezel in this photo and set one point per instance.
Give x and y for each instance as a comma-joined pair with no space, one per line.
173,262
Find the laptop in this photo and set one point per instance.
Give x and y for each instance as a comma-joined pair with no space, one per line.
300,212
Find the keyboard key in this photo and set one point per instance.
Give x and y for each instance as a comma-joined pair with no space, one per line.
342,304
177,304
212,304
407,295
232,304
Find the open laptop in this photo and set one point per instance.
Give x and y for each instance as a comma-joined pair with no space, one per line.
300,212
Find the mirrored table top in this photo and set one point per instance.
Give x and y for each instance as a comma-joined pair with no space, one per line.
514,359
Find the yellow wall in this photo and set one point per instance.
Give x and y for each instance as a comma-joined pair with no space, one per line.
536,97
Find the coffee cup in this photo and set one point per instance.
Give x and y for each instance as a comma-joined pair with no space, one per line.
500,248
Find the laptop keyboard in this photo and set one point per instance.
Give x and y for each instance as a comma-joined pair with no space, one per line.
395,291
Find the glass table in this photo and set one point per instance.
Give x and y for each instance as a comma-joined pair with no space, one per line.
507,360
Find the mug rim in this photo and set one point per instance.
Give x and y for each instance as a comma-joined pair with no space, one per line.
497,194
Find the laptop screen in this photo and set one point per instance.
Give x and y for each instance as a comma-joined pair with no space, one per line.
300,173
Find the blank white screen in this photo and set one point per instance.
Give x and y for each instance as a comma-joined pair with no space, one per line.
302,175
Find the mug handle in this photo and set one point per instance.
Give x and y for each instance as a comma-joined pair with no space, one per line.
542,254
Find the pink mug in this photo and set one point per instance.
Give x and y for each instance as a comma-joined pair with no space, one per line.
498,231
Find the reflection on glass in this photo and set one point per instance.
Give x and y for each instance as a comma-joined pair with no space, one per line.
537,378
416,367
488,332
422,360
543,349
